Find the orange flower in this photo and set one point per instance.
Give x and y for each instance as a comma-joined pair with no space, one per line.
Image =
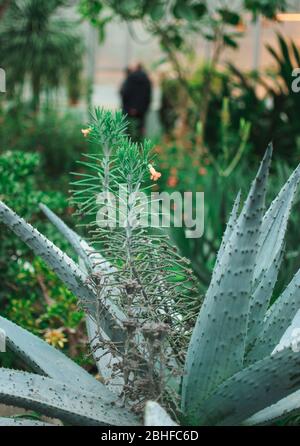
202,171
86,132
172,181
154,175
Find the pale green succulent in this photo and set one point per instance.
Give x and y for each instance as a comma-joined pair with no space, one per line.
242,363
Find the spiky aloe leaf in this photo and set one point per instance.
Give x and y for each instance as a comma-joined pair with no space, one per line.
5,421
286,407
252,389
46,360
105,361
277,320
291,337
268,261
103,357
274,225
93,260
66,269
155,415
260,301
290,404
216,349
56,399
73,238
228,231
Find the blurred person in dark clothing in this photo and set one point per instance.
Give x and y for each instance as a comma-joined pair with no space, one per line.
136,98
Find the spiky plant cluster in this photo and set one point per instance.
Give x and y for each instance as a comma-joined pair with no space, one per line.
242,362
147,279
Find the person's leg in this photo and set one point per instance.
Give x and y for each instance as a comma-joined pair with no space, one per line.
136,128
141,126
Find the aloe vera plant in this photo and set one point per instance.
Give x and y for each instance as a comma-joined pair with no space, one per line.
241,360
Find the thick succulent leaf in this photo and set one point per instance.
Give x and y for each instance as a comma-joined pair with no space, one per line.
93,261
67,270
260,300
286,407
228,231
64,267
22,422
155,415
56,399
73,238
272,235
291,337
253,389
217,345
278,319
290,404
45,359
101,265
103,358
98,352
274,225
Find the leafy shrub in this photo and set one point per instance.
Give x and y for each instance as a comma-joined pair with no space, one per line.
241,365
37,300
56,137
